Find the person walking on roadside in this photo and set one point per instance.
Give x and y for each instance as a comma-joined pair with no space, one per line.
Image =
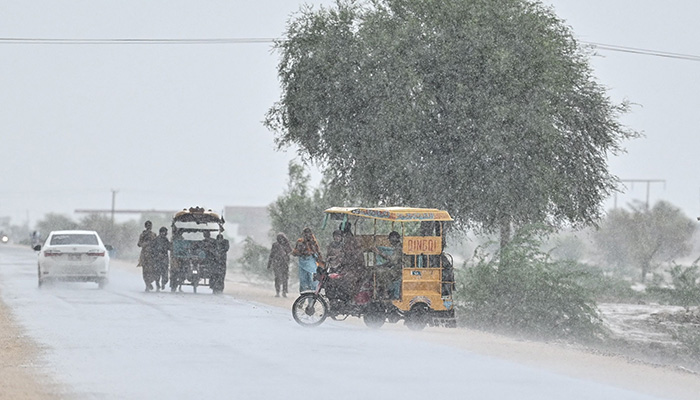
161,247
145,257
279,263
310,258
218,275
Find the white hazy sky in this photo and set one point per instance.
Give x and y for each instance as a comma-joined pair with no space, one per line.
170,126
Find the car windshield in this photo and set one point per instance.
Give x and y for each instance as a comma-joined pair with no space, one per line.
74,238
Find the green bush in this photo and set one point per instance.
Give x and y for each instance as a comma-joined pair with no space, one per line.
253,262
606,288
522,290
690,339
684,290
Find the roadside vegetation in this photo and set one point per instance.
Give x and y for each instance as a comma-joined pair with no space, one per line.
522,290
440,104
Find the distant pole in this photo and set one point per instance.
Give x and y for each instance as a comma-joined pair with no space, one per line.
114,196
648,182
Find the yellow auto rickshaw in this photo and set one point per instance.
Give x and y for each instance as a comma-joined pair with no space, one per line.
411,242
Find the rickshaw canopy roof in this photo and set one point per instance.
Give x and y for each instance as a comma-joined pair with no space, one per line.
197,215
399,214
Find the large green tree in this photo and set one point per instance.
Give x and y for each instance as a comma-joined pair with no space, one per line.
486,108
643,238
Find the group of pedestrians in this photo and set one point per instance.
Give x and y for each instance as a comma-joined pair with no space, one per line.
154,259
344,255
309,253
156,254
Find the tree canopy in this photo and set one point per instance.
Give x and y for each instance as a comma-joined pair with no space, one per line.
643,238
300,206
486,108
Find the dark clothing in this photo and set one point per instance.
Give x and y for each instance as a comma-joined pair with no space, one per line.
160,248
209,247
145,257
279,263
222,247
334,256
352,266
307,248
279,258
388,274
282,281
145,240
218,275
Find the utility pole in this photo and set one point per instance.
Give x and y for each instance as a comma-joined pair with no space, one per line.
647,181
114,196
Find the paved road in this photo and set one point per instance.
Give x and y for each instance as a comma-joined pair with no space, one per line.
122,343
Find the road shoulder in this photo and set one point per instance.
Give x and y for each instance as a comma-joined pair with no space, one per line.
20,376
570,360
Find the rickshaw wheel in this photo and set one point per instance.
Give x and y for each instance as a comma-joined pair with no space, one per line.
339,317
374,316
417,318
310,309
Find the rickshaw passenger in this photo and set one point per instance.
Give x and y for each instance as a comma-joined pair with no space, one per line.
352,265
335,252
448,276
389,273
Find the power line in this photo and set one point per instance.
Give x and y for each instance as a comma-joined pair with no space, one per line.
214,41
7,40
646,52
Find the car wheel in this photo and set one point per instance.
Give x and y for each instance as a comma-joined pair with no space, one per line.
102,283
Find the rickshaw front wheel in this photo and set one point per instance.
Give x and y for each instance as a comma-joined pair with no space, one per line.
310,309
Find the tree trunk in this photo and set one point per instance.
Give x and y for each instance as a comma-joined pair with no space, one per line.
645,269
505,231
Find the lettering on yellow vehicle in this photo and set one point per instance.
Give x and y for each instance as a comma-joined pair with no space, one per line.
414,245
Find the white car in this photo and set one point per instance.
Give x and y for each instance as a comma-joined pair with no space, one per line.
73,256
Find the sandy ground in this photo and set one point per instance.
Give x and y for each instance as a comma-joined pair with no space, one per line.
21,378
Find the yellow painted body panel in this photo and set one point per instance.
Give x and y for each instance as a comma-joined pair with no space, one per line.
421,285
